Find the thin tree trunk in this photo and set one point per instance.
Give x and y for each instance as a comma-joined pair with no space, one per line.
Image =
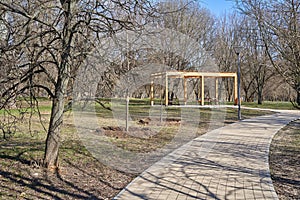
259,97
259,94
298,97
53,137
228,90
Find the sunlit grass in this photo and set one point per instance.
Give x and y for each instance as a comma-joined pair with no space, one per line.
280,105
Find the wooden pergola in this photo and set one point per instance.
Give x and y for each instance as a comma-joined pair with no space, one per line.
187,75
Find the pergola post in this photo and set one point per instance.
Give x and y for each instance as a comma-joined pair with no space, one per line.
217,89
166,95
184,90
235,90
202,90
199,90
152,92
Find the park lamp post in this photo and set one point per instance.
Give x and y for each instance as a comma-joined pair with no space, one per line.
237,50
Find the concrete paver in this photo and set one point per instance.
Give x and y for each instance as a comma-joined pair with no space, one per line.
227,163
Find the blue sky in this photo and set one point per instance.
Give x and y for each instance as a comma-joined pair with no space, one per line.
218,7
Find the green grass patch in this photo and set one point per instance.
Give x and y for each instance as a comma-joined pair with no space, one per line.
280,105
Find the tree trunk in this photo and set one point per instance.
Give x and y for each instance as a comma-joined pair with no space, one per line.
53,137
228,90
56,120
298,97
259,96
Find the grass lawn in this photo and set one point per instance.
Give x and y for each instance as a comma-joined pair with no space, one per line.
81,176
280,105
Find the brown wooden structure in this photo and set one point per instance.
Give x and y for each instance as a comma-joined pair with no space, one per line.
187,75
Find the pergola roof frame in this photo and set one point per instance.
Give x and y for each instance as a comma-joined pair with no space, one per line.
187,75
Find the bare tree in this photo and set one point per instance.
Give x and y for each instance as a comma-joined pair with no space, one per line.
257,69
226,37
198,24
278,23
189,18
52,38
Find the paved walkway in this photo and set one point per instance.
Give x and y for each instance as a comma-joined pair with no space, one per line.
227,163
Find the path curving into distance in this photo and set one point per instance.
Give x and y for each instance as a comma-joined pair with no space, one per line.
227,163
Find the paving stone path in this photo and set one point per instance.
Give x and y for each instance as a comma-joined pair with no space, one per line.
226,163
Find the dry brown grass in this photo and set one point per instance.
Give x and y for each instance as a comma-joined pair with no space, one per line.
285,161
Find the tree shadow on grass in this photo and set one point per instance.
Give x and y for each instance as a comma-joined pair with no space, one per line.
281,180
36,185
20,178
98,178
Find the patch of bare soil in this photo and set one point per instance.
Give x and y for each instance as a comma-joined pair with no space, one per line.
145,136
285,161
144,129
118,132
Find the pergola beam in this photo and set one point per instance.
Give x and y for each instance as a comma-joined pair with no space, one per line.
194,74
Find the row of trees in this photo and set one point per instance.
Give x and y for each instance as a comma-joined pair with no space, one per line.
277,27
43,44
268,32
